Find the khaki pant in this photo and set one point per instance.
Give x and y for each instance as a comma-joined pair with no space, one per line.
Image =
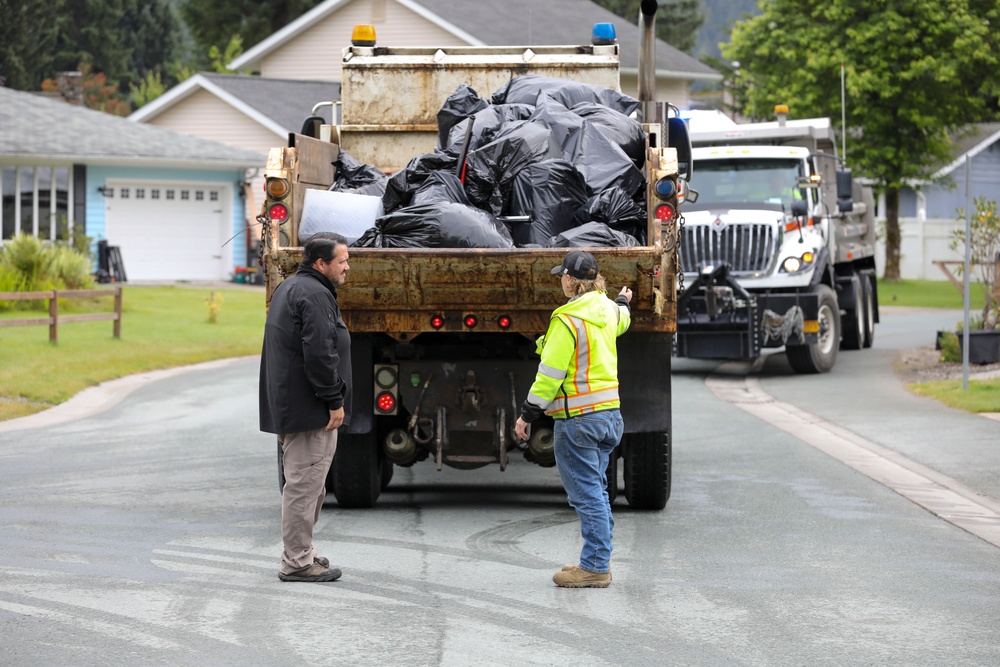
306,458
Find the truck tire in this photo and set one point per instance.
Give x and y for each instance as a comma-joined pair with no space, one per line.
868,283
356,473
648,463
820,356
387,469
612,474
854,320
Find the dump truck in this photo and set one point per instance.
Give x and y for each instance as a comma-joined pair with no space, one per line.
779,248
443,340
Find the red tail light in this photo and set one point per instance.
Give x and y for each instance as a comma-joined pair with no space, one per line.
385,402
665,213
470,321
437,321
503,322
278,212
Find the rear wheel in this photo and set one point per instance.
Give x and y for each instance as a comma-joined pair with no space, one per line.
854,320
648,463
356,474
820,356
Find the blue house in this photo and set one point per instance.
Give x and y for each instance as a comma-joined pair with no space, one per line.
173,204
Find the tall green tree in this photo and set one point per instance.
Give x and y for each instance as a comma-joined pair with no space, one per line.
94,32
29,30
677,21
153,39
214,23
916,71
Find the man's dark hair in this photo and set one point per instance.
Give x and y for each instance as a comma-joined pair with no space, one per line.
322,246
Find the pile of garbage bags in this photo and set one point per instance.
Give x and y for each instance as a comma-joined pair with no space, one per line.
545,162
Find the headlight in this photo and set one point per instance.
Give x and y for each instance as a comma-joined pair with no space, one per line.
797,264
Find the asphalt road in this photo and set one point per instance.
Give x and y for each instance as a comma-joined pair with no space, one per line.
148,533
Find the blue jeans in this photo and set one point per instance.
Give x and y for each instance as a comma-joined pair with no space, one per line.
582,447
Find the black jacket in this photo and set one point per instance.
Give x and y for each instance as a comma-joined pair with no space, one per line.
305,362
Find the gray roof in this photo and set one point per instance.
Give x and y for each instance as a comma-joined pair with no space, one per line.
287,102
530,22
36,127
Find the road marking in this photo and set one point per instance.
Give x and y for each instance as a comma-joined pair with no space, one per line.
939,494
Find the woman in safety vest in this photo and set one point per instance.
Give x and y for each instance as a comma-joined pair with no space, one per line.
577,385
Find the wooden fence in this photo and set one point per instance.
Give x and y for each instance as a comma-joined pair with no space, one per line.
54,319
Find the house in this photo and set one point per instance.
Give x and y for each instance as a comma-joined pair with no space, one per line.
299,65
928,211
170,202
310,47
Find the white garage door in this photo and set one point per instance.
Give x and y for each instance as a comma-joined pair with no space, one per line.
169,231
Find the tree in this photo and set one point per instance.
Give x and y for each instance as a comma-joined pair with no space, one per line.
98,93
916,71
153,38
94,33
677,21
28,33
215,23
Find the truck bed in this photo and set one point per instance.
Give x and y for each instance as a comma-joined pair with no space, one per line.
398,290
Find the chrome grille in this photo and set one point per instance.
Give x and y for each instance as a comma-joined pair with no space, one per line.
744,247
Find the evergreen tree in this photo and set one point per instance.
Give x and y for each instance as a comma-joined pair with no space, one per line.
28,33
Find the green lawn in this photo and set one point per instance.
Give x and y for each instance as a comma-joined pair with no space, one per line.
161,327
982,396
927,294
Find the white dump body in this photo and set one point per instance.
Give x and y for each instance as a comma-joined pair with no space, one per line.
390,97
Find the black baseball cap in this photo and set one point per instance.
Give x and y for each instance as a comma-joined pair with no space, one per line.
578,264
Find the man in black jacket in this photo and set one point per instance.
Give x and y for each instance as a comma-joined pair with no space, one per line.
305,395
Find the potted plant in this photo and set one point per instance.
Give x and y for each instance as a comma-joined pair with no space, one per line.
984,252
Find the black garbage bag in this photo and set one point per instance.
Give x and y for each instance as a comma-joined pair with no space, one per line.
590,235
406,181
525,88
353,176
550,192
485,125
441,225
461,104
615,208
566,126
625,132
440,186
491,169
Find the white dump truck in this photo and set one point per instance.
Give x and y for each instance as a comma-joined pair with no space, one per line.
778,249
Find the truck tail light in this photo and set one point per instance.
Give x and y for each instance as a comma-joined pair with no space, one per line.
665,213
503,322
386,389
665,188
470,321
276,188
278,212
437,322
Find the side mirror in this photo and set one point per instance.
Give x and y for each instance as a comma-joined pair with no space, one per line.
678,137
800,208
845,186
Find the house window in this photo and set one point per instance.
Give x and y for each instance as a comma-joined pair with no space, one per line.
124,193
213,196
154,193
184,195
170,194
199,195
140,193
36,201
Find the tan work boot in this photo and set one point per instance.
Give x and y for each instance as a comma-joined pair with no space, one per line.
314,572
570,566
577,577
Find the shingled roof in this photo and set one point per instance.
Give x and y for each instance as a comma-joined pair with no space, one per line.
519,22
278,104
970,141
40,128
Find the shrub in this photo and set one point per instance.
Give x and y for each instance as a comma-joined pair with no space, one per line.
950,349
28,264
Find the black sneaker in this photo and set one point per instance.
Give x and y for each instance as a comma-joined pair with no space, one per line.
314,572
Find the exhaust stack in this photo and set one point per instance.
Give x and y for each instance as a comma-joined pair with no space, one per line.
647,60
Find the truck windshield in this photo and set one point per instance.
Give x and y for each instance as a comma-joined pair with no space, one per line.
747,181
